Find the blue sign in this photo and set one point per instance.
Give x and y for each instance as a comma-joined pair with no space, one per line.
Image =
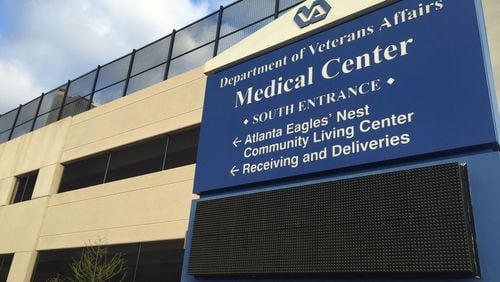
405,80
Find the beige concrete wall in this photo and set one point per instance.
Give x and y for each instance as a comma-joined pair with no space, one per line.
164,107
144,208
492,18
6,189
34,150
20,225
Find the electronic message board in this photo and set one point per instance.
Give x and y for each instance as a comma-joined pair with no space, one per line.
404,80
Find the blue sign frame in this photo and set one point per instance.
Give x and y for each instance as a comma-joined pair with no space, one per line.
405,80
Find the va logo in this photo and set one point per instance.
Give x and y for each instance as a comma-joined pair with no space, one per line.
318,11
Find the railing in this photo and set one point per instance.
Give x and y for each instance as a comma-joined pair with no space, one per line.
180,51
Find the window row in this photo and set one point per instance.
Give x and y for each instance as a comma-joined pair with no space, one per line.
151,261
168,151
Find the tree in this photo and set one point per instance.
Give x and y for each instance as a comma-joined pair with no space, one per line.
96,265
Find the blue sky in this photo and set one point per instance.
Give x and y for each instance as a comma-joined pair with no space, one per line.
43,43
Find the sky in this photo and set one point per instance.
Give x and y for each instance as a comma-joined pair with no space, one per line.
44,43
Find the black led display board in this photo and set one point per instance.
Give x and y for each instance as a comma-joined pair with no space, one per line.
411,222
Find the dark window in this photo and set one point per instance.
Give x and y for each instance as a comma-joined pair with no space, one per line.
5,262
83,173
24,187
163,152
137,159
160,261
151,261
51,263
182,147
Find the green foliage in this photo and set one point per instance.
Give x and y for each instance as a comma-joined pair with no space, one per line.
95,265
58,278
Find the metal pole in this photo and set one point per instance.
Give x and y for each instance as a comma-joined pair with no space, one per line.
93,87
15,121
217,34
129,72
64,100
169,58
277,9
37,112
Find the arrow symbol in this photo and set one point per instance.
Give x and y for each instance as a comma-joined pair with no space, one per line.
236,141
234,170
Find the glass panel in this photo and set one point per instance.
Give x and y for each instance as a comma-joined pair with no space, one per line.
154,261
236,37
130,253
160,261
285,4
146,79
138,159
244,13
22,129
108,94
84,173
80,87
28,111
5,263
45,119
7,120
182,147
151,55
51,263
24,188
4,136
113,72
191,60
52,100
195,35
76,107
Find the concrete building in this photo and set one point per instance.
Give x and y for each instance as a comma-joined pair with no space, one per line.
122,172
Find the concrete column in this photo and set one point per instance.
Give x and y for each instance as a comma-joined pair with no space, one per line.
22,267
6,189
48,181
491,10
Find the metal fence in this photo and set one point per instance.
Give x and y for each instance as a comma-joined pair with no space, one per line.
180,51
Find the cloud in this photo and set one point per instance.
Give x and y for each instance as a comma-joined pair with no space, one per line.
48,42
17,85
